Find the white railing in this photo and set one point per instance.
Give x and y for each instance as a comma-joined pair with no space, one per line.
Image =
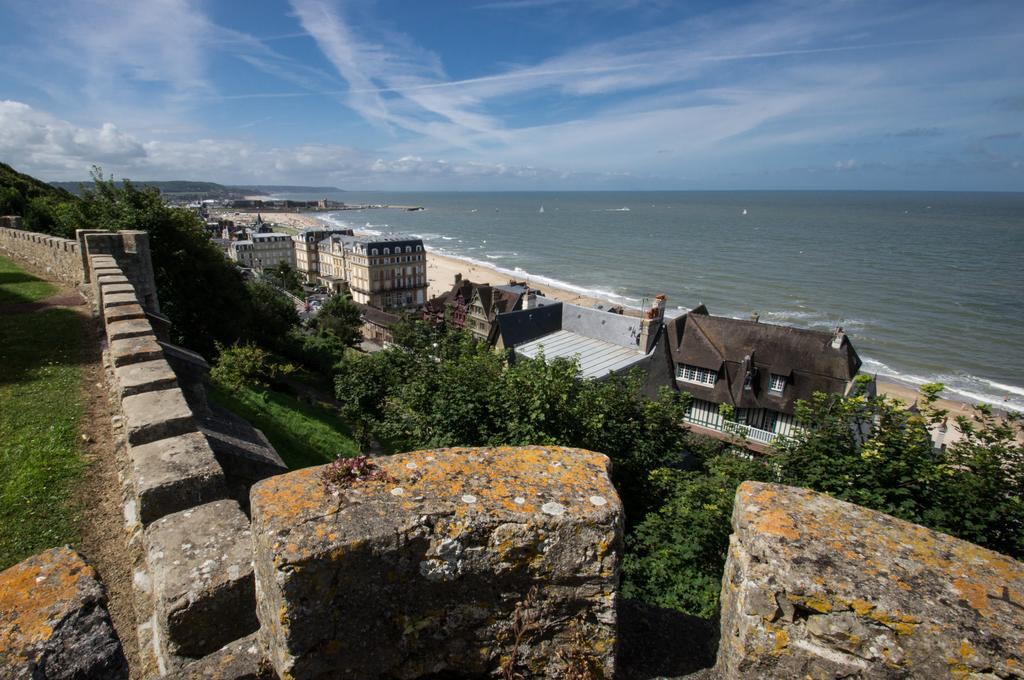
752,433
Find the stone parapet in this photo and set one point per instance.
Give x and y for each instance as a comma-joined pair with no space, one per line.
54,621
58,257
427,566
175,474
200,563
815,587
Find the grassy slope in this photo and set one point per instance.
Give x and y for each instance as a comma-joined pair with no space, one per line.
40,408
17,286
303,434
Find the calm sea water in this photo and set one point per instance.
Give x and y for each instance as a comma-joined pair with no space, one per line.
930,286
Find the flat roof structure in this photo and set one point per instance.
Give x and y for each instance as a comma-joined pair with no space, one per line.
597,358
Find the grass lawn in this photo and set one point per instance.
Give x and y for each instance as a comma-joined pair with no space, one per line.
40,408
19,286
303,434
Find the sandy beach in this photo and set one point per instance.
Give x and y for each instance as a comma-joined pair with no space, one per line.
288,220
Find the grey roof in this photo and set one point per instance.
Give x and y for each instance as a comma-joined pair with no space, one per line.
597,358
593,323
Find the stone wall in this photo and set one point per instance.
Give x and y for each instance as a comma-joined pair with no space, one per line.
819,588
59,258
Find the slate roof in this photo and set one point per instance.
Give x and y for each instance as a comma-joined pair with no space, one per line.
597,358
734,347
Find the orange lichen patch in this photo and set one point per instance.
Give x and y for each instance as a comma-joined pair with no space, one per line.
778,522
289,495
965,649
974,594
861,607
37,593
781,641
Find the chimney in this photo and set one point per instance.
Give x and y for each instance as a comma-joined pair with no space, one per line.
458,278
530,300
650,324
837,339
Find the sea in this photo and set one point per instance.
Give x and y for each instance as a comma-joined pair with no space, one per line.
929,286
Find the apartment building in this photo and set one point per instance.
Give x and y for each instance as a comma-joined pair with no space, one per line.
385,272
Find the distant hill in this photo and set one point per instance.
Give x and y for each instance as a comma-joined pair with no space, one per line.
29,187
192,190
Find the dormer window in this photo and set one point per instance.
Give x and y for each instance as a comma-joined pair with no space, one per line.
748,381
776,383
696,374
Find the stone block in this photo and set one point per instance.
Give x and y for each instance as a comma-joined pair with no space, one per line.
54,621
815,587
111,288
145,376
106,270
241,660
128,328
134,350
111,314
200,563
108,279
423,567
175,474
156,415
118,299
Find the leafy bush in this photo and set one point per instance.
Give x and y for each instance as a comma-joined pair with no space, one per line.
247,366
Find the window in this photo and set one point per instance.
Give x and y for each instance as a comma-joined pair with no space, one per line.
777,383
748,381
696,374
419,248
387,251
373,252
408,249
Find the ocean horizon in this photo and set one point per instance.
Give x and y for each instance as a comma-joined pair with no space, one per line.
928,285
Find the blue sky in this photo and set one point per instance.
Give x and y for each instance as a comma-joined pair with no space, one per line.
519,94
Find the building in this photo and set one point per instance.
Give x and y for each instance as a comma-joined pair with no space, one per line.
602,342
242,253
385,272
377,325
271,249
476,306
307,261
759,370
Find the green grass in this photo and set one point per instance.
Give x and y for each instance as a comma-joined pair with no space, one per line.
303,434
40,408
19,286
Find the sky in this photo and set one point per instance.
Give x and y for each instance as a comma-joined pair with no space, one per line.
518,94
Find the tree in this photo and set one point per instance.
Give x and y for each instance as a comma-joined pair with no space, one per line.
274,314
340,317
287,277
199,289
675,556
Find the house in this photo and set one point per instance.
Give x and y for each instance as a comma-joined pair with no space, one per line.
760,370
377,324
602,342
307,260
476,306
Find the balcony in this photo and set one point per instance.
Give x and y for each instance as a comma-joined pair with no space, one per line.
734,429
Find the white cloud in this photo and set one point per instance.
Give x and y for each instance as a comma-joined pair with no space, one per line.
41,142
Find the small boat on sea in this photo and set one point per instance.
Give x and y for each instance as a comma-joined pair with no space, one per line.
541,209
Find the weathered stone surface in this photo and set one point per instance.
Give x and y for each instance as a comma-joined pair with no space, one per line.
200,563
112,288
107,279
126,351
175,474
816,587
420,571
156,415
112,314
106,269
128,328
241,660
54,621
118,299
145,376
243,452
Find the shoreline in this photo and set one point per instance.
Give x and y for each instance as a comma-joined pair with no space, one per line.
441,270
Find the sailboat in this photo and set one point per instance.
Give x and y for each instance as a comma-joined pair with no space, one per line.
541,209
744,211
